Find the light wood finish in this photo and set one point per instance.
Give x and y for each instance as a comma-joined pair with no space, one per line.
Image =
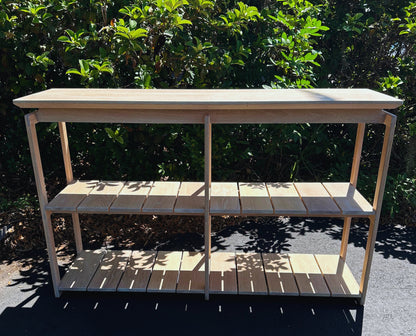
184,273
110,271
223,273
285,199
316,198
165,272
349,200
162,197
30,120
250,274
279,274
224,198
224,116
167,99
71,196
254,198
338,276
131,197
308,275
378,199
138,271
207,216
192,273
353,180
190,198
101,197
80,273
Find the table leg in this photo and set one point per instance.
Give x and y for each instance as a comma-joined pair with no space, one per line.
207,227
31,121
378,199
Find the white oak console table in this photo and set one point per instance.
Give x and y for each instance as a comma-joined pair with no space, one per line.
219,272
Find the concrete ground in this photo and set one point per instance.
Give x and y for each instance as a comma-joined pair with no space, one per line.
27,305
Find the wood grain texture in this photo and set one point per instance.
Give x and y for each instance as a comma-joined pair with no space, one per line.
192,273
224,198
279,275
138,271
71,196
218,99
191,198
349,200
162,197
131,197
285,199
110,271
254,198
81,271
223,273
165,272
308,275
100,198
250,274
338,276
316,198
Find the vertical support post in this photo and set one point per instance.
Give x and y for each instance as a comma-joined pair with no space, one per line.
69,178
390,123
207,226
353,180
31,120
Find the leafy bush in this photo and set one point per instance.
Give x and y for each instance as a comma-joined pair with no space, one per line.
207,44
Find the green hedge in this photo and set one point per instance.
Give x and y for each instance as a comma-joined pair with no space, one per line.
208,44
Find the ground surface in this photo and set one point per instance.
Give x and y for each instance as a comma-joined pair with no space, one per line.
27,305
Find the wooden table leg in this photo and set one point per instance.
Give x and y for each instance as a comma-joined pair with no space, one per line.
69,178
390,123
207,227
31,121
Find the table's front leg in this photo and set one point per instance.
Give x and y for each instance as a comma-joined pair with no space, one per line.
31,121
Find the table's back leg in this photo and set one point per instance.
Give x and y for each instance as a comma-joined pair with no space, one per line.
390,123
31,121
69,178
207,227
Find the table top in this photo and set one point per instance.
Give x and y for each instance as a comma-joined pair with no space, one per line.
191,99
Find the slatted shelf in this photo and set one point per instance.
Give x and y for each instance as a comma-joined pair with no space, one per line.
227,198
230,273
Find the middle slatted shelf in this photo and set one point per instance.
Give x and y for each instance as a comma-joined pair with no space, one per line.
227,198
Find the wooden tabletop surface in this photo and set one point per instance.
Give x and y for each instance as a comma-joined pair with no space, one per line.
209,99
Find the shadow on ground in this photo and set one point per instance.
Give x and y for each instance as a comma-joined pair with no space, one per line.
39,313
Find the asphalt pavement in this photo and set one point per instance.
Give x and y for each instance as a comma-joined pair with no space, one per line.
28,307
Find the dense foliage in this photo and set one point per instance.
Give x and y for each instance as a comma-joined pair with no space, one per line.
208,44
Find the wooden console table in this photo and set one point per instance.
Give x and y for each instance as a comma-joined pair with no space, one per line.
219,272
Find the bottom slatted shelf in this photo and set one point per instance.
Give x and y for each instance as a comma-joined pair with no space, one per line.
230,273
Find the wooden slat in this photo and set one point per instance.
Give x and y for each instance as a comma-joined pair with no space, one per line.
138,271
224,198
338,276
109,273
349,199
162,197
165,272
101,197
191,198
308,275
71,196
285,199
131,197
223,273
250,274
254,198
192,274
81,271
316,198
279,275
